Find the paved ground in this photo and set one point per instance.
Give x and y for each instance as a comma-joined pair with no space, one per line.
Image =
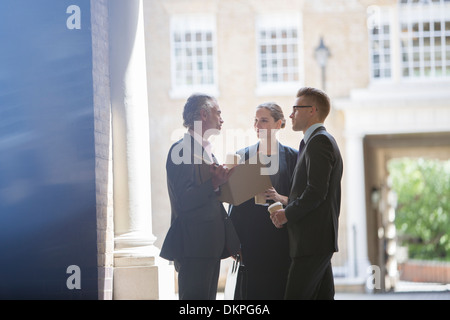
437,295
405,291
427,295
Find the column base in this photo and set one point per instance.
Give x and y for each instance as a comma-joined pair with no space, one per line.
143,278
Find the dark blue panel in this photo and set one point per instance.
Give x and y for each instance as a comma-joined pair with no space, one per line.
47,155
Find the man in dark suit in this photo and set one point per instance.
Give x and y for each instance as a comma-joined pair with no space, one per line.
314,201
196,238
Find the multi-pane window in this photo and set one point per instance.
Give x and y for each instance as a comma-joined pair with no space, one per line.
278,46
423,40
380,42
193,53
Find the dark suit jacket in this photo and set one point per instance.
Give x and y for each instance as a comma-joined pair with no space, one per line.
315,197
197,229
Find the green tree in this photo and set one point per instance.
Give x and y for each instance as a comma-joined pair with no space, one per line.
423,211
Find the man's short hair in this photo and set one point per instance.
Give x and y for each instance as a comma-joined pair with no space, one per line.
194,104
319,98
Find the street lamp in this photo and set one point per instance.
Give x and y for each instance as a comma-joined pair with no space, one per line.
322,53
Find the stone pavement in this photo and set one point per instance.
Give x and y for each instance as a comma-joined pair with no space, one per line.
404,291
435,295
424,295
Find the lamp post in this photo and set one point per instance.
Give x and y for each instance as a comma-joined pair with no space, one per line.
322,53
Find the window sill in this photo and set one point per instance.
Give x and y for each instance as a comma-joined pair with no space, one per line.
185,92
278,89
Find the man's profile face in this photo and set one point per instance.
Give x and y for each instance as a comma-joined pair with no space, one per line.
213,120
300,116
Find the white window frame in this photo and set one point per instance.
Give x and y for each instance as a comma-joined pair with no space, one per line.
278,23
193,25
409,13
378,19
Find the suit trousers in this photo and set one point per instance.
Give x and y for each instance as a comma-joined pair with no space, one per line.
310,278
198,278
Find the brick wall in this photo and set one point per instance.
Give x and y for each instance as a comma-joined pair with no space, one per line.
425,271
103,147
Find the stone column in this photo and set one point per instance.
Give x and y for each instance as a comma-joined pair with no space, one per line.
136,274
356,208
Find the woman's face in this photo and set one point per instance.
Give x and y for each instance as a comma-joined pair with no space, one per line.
265,123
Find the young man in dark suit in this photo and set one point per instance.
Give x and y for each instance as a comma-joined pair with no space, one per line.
312,213
196,239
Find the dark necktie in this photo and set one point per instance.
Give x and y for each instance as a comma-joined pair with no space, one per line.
300,148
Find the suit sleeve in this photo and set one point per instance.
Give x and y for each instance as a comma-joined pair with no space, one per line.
186,193
319,159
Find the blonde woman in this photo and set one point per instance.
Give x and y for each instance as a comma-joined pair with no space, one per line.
264,248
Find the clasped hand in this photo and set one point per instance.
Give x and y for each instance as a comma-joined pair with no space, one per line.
219,174
279,218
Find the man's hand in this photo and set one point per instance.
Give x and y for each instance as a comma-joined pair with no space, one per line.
219,174
279,218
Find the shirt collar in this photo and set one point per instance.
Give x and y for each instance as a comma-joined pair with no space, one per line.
310,131
204,143
199,138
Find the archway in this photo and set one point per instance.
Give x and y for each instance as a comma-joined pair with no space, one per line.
380,202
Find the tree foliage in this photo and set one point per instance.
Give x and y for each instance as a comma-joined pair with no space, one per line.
423,211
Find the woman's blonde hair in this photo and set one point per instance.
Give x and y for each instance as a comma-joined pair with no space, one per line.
275,111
